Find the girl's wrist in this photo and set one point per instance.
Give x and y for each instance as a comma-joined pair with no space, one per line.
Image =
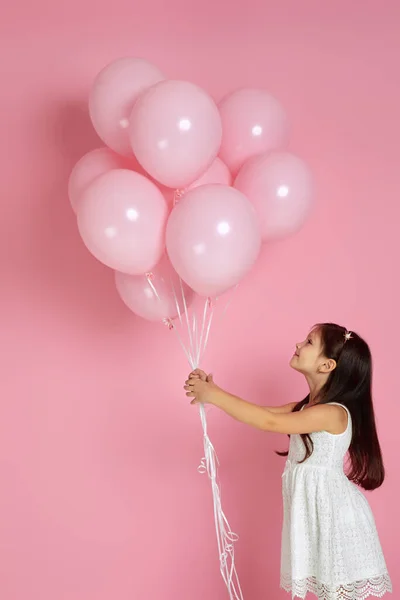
218,397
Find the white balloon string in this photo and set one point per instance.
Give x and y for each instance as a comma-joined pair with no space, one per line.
208,329
203,322
184,347
209,464
149,277
227,305
197,344
195,337
188,353
185,308
178,308
225,536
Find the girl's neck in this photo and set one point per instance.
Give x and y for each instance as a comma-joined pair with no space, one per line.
315,389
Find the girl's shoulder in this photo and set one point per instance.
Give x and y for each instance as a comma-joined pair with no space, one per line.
337,415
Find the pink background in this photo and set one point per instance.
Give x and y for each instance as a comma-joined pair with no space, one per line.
100,497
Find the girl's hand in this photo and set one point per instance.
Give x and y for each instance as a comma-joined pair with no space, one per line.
198,374
199,388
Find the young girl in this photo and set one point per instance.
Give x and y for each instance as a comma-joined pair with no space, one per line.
330,545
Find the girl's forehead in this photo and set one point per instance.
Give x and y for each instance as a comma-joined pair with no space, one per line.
315,334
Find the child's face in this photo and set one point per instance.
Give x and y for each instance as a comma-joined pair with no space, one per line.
308,356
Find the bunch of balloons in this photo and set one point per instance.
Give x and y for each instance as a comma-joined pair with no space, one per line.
184,189
179,202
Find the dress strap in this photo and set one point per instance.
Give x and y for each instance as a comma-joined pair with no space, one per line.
349,421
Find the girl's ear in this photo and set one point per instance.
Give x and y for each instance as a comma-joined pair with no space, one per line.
328,366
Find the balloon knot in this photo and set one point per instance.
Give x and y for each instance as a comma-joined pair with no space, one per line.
178,194
168,323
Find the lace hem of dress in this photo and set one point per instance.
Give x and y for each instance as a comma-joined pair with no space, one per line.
360,590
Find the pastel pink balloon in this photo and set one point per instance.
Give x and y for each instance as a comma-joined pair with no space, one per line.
280,186
121,218
175,131
253,122
217,172
156,297
91,165
213,238
114,92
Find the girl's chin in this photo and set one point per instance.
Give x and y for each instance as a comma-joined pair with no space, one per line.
294,363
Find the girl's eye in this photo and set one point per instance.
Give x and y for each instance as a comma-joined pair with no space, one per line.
309,341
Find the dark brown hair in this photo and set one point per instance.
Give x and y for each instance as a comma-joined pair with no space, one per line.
350,384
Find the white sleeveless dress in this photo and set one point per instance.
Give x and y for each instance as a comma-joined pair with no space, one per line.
330,546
